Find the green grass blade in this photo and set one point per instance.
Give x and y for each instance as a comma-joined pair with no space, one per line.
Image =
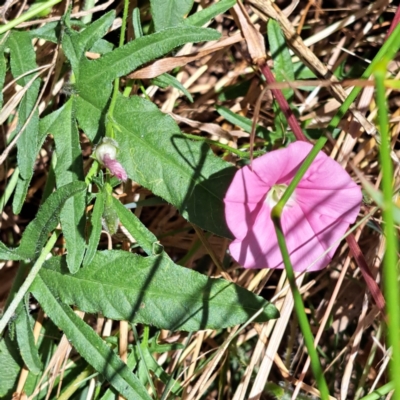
390,263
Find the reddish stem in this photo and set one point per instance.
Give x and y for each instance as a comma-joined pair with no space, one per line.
283,104
395,22
369,279
353,245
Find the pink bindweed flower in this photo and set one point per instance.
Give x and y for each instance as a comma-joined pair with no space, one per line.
106,153
324,204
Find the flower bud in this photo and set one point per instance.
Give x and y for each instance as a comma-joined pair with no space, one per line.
106,154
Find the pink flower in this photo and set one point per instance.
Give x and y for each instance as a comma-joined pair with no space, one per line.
324,204
106,153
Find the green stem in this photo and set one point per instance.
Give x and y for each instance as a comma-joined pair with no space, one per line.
389,49
128,87
277,210
276,214
28,281
76,383
87,19
110,113
390,263
379,393
242,154
28,15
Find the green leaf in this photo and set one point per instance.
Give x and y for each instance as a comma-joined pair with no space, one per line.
127,58
301,72
183,172
165,80
3,67
242,122
207,14
167,14
280,121
140,233
9,254
47,125
68,40
10,366
20,192
23,57
35,235
69,168
93,32
94,238
101,46
152,365
26,340
284,72
232,92
132,361
283,66
125,286
75,44
95,77
89,345
23,60
47,344
47,32
49,122
137,25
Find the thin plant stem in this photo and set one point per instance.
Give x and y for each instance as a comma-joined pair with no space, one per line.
379,393
88,5
388,49
395,22
390,264
242,154
28,281
283,104
28,15
110,113
277,210
76,383
276,214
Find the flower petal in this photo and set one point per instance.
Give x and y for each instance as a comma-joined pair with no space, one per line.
246,187
326,201
343,204
280,166
303,242
243,201
327,189
329,232
115,168
250,252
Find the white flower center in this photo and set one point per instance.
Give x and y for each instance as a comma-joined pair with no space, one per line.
276,193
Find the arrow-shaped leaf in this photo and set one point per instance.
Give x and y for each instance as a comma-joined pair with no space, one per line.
89,345
153,291
185,173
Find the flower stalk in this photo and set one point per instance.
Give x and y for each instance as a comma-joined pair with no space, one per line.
276,214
